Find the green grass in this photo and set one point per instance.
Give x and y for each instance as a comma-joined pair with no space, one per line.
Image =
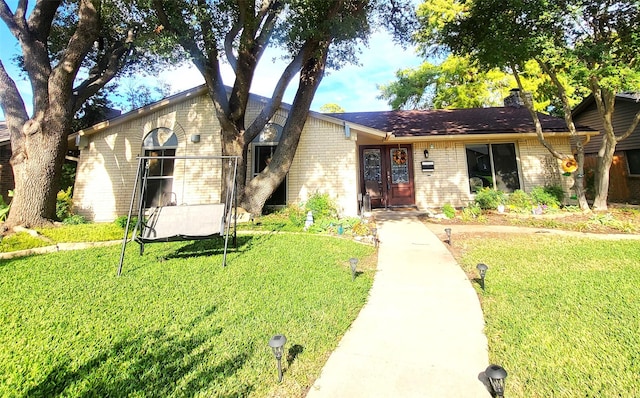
562,316
98,232
21,241
176,323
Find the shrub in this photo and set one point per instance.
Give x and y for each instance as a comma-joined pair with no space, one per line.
556,191
540,196
519,200
122,222
296,214
74,219
322,206
361,229
489,199
64,204
472,212
448,210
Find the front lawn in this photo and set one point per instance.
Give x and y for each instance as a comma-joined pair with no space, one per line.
562,314
176,323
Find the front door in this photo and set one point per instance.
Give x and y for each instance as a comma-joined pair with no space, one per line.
387,175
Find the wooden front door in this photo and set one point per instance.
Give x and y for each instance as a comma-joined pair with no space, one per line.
387,175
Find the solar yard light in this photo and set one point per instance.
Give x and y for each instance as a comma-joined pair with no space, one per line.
277,343
448,232
354,263
482,268
496,375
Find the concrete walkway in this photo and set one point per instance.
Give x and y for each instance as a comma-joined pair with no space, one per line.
420,333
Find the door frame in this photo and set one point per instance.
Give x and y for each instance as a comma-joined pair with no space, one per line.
386,188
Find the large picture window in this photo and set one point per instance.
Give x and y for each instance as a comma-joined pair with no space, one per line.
633,160
494,166
160,142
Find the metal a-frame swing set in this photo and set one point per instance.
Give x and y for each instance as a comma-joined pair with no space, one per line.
170,222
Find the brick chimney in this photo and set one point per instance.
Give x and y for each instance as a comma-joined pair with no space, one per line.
514,99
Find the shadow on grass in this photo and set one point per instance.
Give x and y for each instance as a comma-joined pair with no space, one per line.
151,364
209,247
293,353
478,281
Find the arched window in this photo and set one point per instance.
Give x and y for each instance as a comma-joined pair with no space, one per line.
161,141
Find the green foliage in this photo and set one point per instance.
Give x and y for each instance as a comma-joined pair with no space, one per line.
64,204
331,108
74,219
587,284
489,198
519,200
322,206
556,191
448,210
68,175
4,208
122,222
20,241
89,232
545,197
472,212
457,82
160,329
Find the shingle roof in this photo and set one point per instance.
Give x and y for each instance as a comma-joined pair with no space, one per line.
454,121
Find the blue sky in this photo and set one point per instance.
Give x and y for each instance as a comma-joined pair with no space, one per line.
352,87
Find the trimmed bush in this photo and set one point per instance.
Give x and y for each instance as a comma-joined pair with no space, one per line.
489,199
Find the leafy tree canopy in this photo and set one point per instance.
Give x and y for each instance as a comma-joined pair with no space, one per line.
332,108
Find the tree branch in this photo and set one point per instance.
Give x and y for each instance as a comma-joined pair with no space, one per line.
631,128
534,116
10,99
102,73
208,65
274,103
566,107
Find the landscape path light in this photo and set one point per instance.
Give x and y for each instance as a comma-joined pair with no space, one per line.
448,232
277,343
496,375
353,262
482,268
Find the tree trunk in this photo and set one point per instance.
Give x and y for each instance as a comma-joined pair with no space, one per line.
578,184
601,178
37,165
260,188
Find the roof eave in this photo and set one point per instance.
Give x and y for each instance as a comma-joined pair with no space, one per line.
486,137
136,113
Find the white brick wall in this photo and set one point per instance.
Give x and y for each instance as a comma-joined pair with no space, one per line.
449,183
326,162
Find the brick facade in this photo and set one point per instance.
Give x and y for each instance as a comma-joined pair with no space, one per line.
326,161
449,182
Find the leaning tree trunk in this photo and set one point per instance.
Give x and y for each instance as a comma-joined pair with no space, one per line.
233,145
578,185
37,163
260,188
601,180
